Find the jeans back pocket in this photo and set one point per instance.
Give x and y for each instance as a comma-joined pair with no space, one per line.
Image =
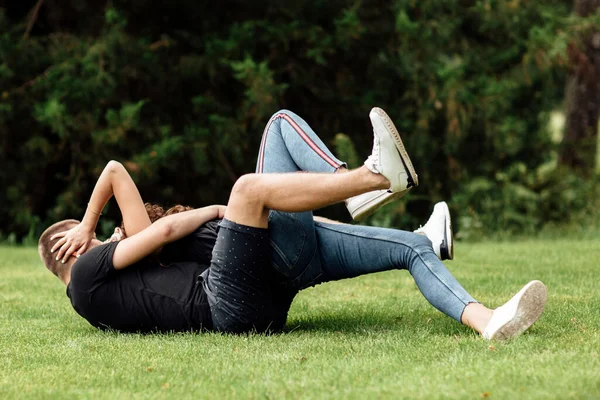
294,247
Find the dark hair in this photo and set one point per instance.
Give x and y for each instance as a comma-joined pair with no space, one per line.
156,212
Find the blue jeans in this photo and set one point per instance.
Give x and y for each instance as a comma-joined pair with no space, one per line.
308,252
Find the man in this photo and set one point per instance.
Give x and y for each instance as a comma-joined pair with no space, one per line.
261,257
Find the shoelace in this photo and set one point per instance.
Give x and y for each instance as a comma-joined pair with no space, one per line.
373,159
375,152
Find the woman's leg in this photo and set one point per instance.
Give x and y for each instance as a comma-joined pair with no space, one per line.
289,145
348,251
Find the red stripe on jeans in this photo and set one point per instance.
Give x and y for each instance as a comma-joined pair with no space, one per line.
263,143
309,141
303,135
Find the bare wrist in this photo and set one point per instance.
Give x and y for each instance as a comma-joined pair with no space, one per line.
91,209
89,221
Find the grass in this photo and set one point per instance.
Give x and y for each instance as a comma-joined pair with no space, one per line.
371,337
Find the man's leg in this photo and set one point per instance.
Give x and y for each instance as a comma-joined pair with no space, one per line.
239,284
289,144
243,290
253,195
347,250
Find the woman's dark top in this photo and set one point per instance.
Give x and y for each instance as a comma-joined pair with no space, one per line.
154,294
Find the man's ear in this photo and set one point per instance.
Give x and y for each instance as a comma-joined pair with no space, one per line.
116,236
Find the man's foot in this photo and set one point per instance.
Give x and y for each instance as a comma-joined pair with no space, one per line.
389,157
365,204
518,314
438,229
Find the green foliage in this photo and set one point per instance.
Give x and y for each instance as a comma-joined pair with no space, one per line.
181,93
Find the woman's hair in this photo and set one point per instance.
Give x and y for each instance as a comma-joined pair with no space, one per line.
156,212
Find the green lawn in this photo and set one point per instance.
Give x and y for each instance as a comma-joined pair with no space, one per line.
373,337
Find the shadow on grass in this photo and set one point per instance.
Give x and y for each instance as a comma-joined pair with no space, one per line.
414,324
366,323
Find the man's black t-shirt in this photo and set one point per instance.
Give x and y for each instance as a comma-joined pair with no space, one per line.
197,246
150,295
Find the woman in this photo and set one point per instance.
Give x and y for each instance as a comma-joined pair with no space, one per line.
261,258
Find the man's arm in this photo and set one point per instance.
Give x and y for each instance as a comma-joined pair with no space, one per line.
163,231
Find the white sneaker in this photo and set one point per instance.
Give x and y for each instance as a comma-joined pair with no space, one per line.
518,314
365,204
438,229
389,157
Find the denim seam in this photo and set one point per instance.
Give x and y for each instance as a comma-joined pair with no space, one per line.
290,263
296,281
405,245
281,254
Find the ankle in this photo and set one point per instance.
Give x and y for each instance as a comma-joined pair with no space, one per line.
476,316
376,181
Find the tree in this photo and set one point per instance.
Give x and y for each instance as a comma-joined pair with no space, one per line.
578,150
180,92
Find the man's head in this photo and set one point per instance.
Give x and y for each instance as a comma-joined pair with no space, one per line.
62,271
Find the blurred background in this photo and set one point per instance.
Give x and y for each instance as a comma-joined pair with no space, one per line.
497,102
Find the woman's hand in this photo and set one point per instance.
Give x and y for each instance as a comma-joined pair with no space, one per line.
221,211
76,239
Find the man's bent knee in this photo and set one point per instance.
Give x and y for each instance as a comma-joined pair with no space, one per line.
246,188
246,203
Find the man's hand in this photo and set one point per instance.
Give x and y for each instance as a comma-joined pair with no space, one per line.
74,240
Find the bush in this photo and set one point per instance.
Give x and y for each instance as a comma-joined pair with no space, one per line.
180,94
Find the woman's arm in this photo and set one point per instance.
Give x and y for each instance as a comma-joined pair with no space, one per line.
114,180
163,231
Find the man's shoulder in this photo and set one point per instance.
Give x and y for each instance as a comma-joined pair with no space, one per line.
92,267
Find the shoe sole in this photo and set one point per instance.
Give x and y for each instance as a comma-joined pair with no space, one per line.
367,209
447,247
529,308
413,178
